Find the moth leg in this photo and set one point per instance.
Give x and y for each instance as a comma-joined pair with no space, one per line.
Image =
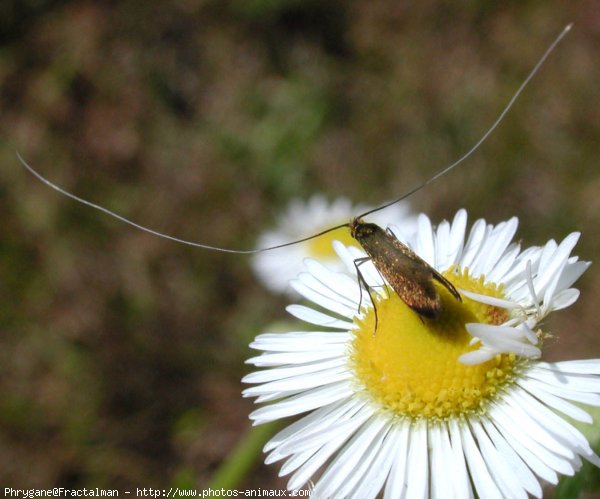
384,286
390,233
361,279
363,282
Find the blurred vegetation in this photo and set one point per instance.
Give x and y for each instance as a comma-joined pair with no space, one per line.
120,353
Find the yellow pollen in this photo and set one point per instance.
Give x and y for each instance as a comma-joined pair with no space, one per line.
410,365
321,247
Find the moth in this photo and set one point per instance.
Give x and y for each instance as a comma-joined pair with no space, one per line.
411,278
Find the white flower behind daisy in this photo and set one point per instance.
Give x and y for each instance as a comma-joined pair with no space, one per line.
304,218
394,410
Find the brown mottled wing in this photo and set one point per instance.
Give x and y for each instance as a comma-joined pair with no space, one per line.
407,273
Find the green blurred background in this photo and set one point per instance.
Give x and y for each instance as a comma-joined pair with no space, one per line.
121,354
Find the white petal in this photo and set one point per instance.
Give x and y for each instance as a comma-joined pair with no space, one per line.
361,471
461,482
507,430
424,246
342,470
301,341
552,264
278,359
312,316
502,474
479,356
304,474
301,382
564,299
396,484
571,273
559,404
585,398
320,419
576,382
443,257
289,372
273,396
454,460
510,456
344,254
489,300
440,464
587,366
561,430
505,339
313,290
457,235
506,419
535,428
476,237
548,298
547,255
494,246
504,265
380,468
342,285
294,462
484,484
418,463
313,438
303,402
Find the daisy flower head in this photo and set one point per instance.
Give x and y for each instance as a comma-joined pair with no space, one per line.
275,269
407,406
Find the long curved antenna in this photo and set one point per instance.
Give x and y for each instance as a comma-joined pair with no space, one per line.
486,134
153,232
259,250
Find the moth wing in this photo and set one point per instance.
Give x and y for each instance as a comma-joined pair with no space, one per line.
417,278
414,281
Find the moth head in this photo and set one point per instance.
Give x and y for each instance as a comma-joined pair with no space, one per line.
361,230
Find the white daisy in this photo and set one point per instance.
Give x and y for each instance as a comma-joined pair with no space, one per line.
393,410
304,218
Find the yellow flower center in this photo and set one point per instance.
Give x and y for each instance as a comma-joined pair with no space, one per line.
410,365
321,247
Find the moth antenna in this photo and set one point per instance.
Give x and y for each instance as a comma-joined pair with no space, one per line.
442,172
154,232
